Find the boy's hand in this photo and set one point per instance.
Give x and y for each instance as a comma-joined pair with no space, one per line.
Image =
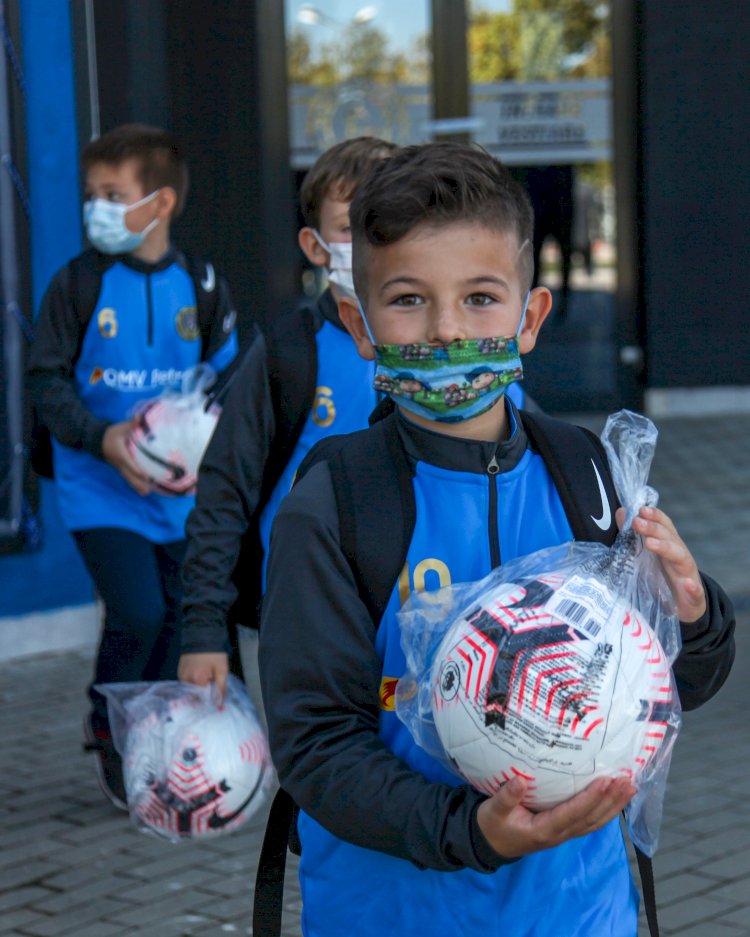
661,538
513,831
115,451
202,669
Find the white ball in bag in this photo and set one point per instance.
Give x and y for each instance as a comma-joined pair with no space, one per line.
529,683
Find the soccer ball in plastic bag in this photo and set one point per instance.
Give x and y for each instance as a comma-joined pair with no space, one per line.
169,440
196,771
532,683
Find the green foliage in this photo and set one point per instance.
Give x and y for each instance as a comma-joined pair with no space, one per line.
360,53
541,40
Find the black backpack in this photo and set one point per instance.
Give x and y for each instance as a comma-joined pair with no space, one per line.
372,481
292,360
83,280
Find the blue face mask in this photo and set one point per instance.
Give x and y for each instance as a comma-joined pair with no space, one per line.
448,383
106,229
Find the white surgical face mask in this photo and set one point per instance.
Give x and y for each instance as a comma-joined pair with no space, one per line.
105,225
340,271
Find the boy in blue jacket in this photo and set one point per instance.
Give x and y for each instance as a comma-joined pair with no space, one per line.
442,266
118,325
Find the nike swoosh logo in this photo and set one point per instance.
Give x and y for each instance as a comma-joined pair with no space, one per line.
209,281
215,822
603,522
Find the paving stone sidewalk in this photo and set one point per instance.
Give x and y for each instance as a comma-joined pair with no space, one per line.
70,865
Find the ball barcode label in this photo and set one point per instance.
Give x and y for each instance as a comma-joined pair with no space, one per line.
583,604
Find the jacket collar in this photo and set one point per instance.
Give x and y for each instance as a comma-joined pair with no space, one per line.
140,266
464,455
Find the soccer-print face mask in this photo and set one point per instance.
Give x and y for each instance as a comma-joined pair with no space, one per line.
449,382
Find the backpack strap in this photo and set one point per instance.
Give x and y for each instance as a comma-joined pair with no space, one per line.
646,872
269,881
206,291
292,356
577,462
372,481
292,362
83,283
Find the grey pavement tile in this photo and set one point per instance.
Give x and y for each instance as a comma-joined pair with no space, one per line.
31,849
690,912
733,893
185,927
102,866
725,842
711,929
71,920
172,907
740,917
20,918
101,831
238,928
100,929
23,896
681,886
143,892
26,873
734,866
97,887
228,886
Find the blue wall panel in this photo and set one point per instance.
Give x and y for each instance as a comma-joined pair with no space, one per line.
54,576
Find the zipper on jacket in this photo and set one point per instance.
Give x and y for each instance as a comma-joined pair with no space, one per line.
150,308
492,470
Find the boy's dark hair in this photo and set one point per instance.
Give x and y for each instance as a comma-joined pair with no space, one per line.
438,183
157,152
338,173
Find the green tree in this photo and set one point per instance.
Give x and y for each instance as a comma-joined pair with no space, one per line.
539,40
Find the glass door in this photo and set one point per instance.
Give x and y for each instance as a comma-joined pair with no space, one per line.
356,69
540,89
529,80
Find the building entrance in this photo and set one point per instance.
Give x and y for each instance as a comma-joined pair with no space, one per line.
529,81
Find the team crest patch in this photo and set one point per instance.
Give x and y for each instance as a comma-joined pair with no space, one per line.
388,693
107,322
186,323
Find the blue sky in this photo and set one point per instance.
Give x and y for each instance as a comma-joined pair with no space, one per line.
401,20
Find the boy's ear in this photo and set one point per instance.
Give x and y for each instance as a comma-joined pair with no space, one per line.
540,303
351,316
311,247
166,202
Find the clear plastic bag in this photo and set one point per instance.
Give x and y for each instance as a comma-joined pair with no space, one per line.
173,430
556,666
193,767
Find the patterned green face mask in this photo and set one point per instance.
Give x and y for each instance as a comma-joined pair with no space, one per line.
450,382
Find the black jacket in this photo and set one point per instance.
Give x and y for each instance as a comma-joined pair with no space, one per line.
233,484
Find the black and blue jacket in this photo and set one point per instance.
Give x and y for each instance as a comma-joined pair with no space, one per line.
247,469
381,822
111,333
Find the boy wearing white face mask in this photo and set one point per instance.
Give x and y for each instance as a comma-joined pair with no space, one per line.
299,382
120,324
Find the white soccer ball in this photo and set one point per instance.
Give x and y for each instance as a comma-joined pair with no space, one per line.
195,773
531,683
169,440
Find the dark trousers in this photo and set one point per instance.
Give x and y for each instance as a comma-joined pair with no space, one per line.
139,583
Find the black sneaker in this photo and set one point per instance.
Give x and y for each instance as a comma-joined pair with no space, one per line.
108,764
